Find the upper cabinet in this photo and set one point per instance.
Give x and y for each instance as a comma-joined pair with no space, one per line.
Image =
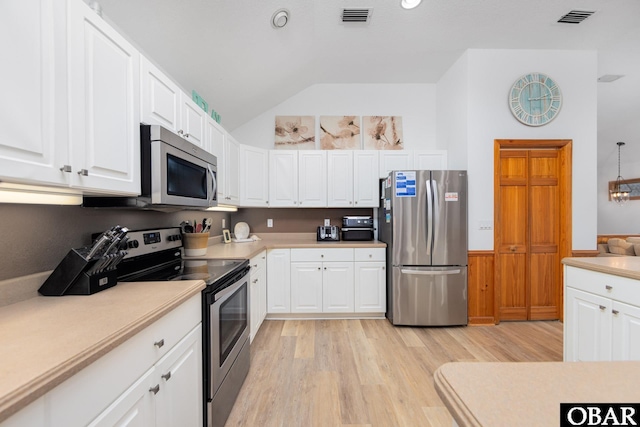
160,103
312,178
283,178
430,159
231,170
31,147
395,160
254,176
104,112
192,121
352,178
297,178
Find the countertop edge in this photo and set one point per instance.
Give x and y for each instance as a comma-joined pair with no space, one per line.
39,386
617,271
458,410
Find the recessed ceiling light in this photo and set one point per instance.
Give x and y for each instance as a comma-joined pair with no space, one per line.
409,4
280,18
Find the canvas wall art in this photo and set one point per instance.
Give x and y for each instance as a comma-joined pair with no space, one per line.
295,132
382,133
340,132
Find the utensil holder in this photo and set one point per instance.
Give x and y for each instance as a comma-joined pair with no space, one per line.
77,276
195,244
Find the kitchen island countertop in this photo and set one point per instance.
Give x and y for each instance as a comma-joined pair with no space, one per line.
46,340
624,266
278,241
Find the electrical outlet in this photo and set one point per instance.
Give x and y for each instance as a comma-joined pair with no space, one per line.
327,222
485,225
269,222
223,223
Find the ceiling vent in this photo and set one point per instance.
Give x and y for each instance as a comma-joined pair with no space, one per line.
356,15
575,16
608,78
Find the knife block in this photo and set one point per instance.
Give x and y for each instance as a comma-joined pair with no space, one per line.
73,277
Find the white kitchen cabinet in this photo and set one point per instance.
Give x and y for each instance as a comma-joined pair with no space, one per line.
365,179
279,281
430,159
312,179
231,171
160,99
33,145
602,316
306,287
257,292
340,177
394,160
35,414
370,280
192,121
215,134
283,178
104,109
338,287
254,176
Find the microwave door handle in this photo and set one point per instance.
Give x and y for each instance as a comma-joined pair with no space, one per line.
214,184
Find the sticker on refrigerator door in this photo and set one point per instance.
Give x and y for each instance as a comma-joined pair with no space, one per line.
406,184
388,217
451,197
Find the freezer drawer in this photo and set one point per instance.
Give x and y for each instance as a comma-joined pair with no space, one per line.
428,296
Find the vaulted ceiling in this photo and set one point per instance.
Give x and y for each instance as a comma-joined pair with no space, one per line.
231,55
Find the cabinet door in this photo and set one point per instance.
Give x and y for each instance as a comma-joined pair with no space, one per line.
279,281
135,407
104,105
254,176
216,136
34,414
395,161
337,287
340,178
365,179
160,103
232,170
430,159
283,178
29,149
312,179
370,287
626,331
192,121
180,400
306,287
588,322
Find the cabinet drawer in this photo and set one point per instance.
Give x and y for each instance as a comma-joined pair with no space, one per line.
319,254
370,254
258,262
606,285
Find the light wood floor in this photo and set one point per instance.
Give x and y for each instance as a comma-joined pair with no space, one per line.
368,372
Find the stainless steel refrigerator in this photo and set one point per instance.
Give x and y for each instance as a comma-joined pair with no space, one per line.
423,220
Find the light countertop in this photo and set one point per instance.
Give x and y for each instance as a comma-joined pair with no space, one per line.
522,393
45,340
625,266
278,241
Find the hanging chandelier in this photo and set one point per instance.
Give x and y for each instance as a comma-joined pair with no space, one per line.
620,191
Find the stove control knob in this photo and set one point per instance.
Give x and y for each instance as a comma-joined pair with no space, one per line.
174,238
133,244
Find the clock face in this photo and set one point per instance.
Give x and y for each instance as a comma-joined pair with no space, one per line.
535,99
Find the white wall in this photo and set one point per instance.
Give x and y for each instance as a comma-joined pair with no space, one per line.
614,218
490,74
416,103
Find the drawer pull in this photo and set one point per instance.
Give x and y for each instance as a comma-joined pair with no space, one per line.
318,268
255,265
159,344
166,376
66,168
83,172
602,307
322,256
325,268
155,389
607,287
615,311
255,281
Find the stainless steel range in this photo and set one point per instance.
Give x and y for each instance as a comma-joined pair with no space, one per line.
156,255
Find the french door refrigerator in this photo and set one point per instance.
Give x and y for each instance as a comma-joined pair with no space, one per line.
423,221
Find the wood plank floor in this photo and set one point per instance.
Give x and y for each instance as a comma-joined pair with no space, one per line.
368,372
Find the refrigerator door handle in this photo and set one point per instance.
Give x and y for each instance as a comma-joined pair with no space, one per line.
429,218
435,208
429,272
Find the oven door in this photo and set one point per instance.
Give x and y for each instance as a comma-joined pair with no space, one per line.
229,330
179,178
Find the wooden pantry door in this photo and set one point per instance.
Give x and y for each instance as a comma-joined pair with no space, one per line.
532,209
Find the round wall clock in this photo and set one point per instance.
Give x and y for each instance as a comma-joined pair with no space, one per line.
535,99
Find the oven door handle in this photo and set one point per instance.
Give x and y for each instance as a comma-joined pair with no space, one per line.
231,289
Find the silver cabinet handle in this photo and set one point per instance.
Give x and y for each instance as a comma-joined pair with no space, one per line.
155,389
350,202
602,307
318,268
83,172
322,256
166,376
607,287
159,344
186,135
370,255
255,281
66,168
383,268
263,257
325,268
295,203
615,311
356,203
255,265
180,132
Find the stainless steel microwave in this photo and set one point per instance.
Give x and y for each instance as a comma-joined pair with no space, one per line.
176,174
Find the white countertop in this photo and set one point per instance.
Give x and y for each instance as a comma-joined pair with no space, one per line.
625,266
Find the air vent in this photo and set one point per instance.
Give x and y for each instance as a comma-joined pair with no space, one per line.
575,16
356,15
608,78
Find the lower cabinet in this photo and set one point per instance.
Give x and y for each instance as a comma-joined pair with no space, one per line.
602,316
331,280
257,293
